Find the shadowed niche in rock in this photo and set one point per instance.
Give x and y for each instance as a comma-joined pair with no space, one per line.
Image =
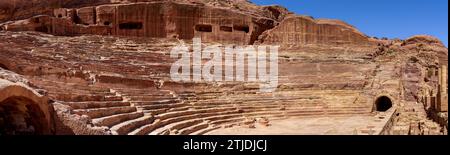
203,28
383,104
244,28
19,116
130,25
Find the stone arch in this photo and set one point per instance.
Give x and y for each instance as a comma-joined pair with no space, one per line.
383,103
23,111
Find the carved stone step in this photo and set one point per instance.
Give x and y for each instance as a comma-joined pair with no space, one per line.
205,130
85,97
173,127
116,119
156,102
127,126
103,112
194,128
161,106
161,123
101,104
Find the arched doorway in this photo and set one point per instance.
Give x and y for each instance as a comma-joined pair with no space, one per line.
23,111
20,116
383,104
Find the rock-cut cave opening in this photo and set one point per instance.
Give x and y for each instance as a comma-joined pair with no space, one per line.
383,104
243,28
18,116
131,25
203,28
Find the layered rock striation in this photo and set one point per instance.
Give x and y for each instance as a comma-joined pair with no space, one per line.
104,67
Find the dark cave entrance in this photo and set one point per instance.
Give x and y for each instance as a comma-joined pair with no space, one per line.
243,28
19,116
204,28
383,104
131,25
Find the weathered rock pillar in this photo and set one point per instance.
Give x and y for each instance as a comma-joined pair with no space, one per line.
442,104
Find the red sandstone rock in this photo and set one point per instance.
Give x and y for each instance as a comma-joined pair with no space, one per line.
301,30
424,39
117,81
22,109
159,19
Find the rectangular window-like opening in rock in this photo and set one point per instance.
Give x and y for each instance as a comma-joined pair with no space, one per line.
131,25
203,28
226,29
244,28
107,23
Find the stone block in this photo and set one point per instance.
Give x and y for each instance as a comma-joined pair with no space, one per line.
86,16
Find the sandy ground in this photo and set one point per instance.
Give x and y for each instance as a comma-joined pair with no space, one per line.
303,126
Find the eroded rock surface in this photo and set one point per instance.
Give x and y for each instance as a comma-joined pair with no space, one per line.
105,67
23,111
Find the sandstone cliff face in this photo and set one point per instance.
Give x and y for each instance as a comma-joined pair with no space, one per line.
424,40
238,22
301,30
113,84
117,81
21,9
221,23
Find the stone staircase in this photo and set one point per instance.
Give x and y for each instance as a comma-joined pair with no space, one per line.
112,81
149,111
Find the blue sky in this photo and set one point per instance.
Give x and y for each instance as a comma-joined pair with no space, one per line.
378,18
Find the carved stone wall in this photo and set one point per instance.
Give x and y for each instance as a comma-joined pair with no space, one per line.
157,19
